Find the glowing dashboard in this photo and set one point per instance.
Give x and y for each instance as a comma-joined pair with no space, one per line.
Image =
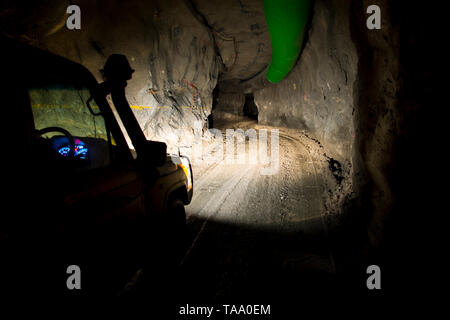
62,146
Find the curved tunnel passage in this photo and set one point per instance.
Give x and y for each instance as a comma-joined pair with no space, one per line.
345,116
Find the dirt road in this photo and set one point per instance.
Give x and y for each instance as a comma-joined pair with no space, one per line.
253,238
255,235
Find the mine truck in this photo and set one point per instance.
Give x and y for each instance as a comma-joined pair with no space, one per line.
84,186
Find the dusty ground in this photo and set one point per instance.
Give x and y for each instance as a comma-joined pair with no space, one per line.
260,238
249,231
292,199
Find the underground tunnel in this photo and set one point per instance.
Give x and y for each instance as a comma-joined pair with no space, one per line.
188,154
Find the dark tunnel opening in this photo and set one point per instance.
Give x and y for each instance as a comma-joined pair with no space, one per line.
250,108
215,98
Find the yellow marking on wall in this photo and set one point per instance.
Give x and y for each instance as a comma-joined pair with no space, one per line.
38,105
141,107
149,107
59,106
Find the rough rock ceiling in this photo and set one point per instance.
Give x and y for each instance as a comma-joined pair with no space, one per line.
242,38
237,26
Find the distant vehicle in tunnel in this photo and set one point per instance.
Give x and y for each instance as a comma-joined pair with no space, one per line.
79,194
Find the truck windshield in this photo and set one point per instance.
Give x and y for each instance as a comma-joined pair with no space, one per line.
67,107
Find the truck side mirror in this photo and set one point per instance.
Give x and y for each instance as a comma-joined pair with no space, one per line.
153,153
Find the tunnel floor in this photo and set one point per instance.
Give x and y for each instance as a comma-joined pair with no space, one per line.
249,229
255,238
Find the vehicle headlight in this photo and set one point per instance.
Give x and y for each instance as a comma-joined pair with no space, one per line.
186,166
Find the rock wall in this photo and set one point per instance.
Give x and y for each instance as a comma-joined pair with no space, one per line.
377,115
396,84
317,95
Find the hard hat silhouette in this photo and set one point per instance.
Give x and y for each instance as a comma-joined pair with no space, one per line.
117,67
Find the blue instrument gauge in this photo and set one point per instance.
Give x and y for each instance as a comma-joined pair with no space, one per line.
64,151
80,151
